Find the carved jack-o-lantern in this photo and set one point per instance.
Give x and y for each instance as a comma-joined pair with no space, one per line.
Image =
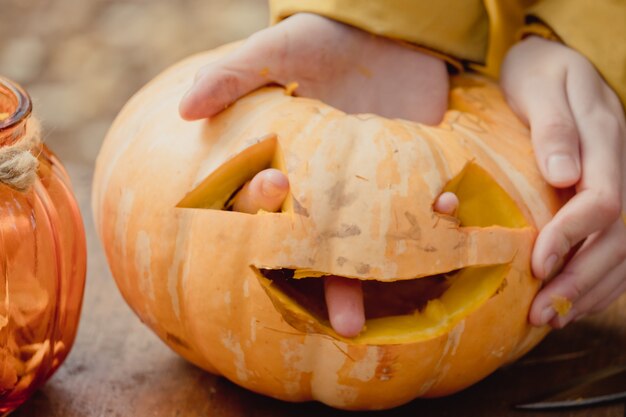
446,297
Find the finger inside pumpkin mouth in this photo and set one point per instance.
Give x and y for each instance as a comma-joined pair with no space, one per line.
396,312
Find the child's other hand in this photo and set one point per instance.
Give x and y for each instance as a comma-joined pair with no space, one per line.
343,66
578,129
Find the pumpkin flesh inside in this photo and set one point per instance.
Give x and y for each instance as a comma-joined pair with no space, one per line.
403,311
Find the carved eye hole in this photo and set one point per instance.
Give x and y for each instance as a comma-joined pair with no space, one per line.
218,189
482,201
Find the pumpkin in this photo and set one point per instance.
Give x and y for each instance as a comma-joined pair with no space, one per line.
240,295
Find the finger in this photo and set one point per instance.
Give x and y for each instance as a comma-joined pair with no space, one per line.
344,300
583,215
537,94
219,84
604,303
446,203
597,203
553,130
596,300
602,126
584,281
602,295
266,191
604,290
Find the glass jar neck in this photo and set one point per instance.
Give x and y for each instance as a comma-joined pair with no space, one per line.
15,109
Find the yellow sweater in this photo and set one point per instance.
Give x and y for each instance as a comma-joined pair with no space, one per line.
478,33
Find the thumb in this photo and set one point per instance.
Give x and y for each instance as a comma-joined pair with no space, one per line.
220,83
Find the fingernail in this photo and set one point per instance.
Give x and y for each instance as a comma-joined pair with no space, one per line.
273,186
562,168
186,95
547,314
548,266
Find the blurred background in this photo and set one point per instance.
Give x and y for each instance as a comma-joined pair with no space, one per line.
81,60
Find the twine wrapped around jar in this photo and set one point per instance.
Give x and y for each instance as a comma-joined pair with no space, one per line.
18,165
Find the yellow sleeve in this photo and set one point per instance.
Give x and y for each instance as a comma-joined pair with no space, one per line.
456,28
596,29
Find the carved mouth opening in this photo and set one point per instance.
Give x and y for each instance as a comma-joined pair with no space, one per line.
396,312
380,299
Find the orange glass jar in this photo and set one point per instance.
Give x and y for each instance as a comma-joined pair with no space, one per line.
42,256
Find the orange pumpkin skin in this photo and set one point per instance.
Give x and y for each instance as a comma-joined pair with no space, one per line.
362,189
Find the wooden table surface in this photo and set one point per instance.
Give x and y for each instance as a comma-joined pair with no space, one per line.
119,368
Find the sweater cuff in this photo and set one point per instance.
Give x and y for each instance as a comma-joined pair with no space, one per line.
538,28
462,38
454,65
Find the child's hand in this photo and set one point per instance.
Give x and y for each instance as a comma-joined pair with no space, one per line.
578,130
343,66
